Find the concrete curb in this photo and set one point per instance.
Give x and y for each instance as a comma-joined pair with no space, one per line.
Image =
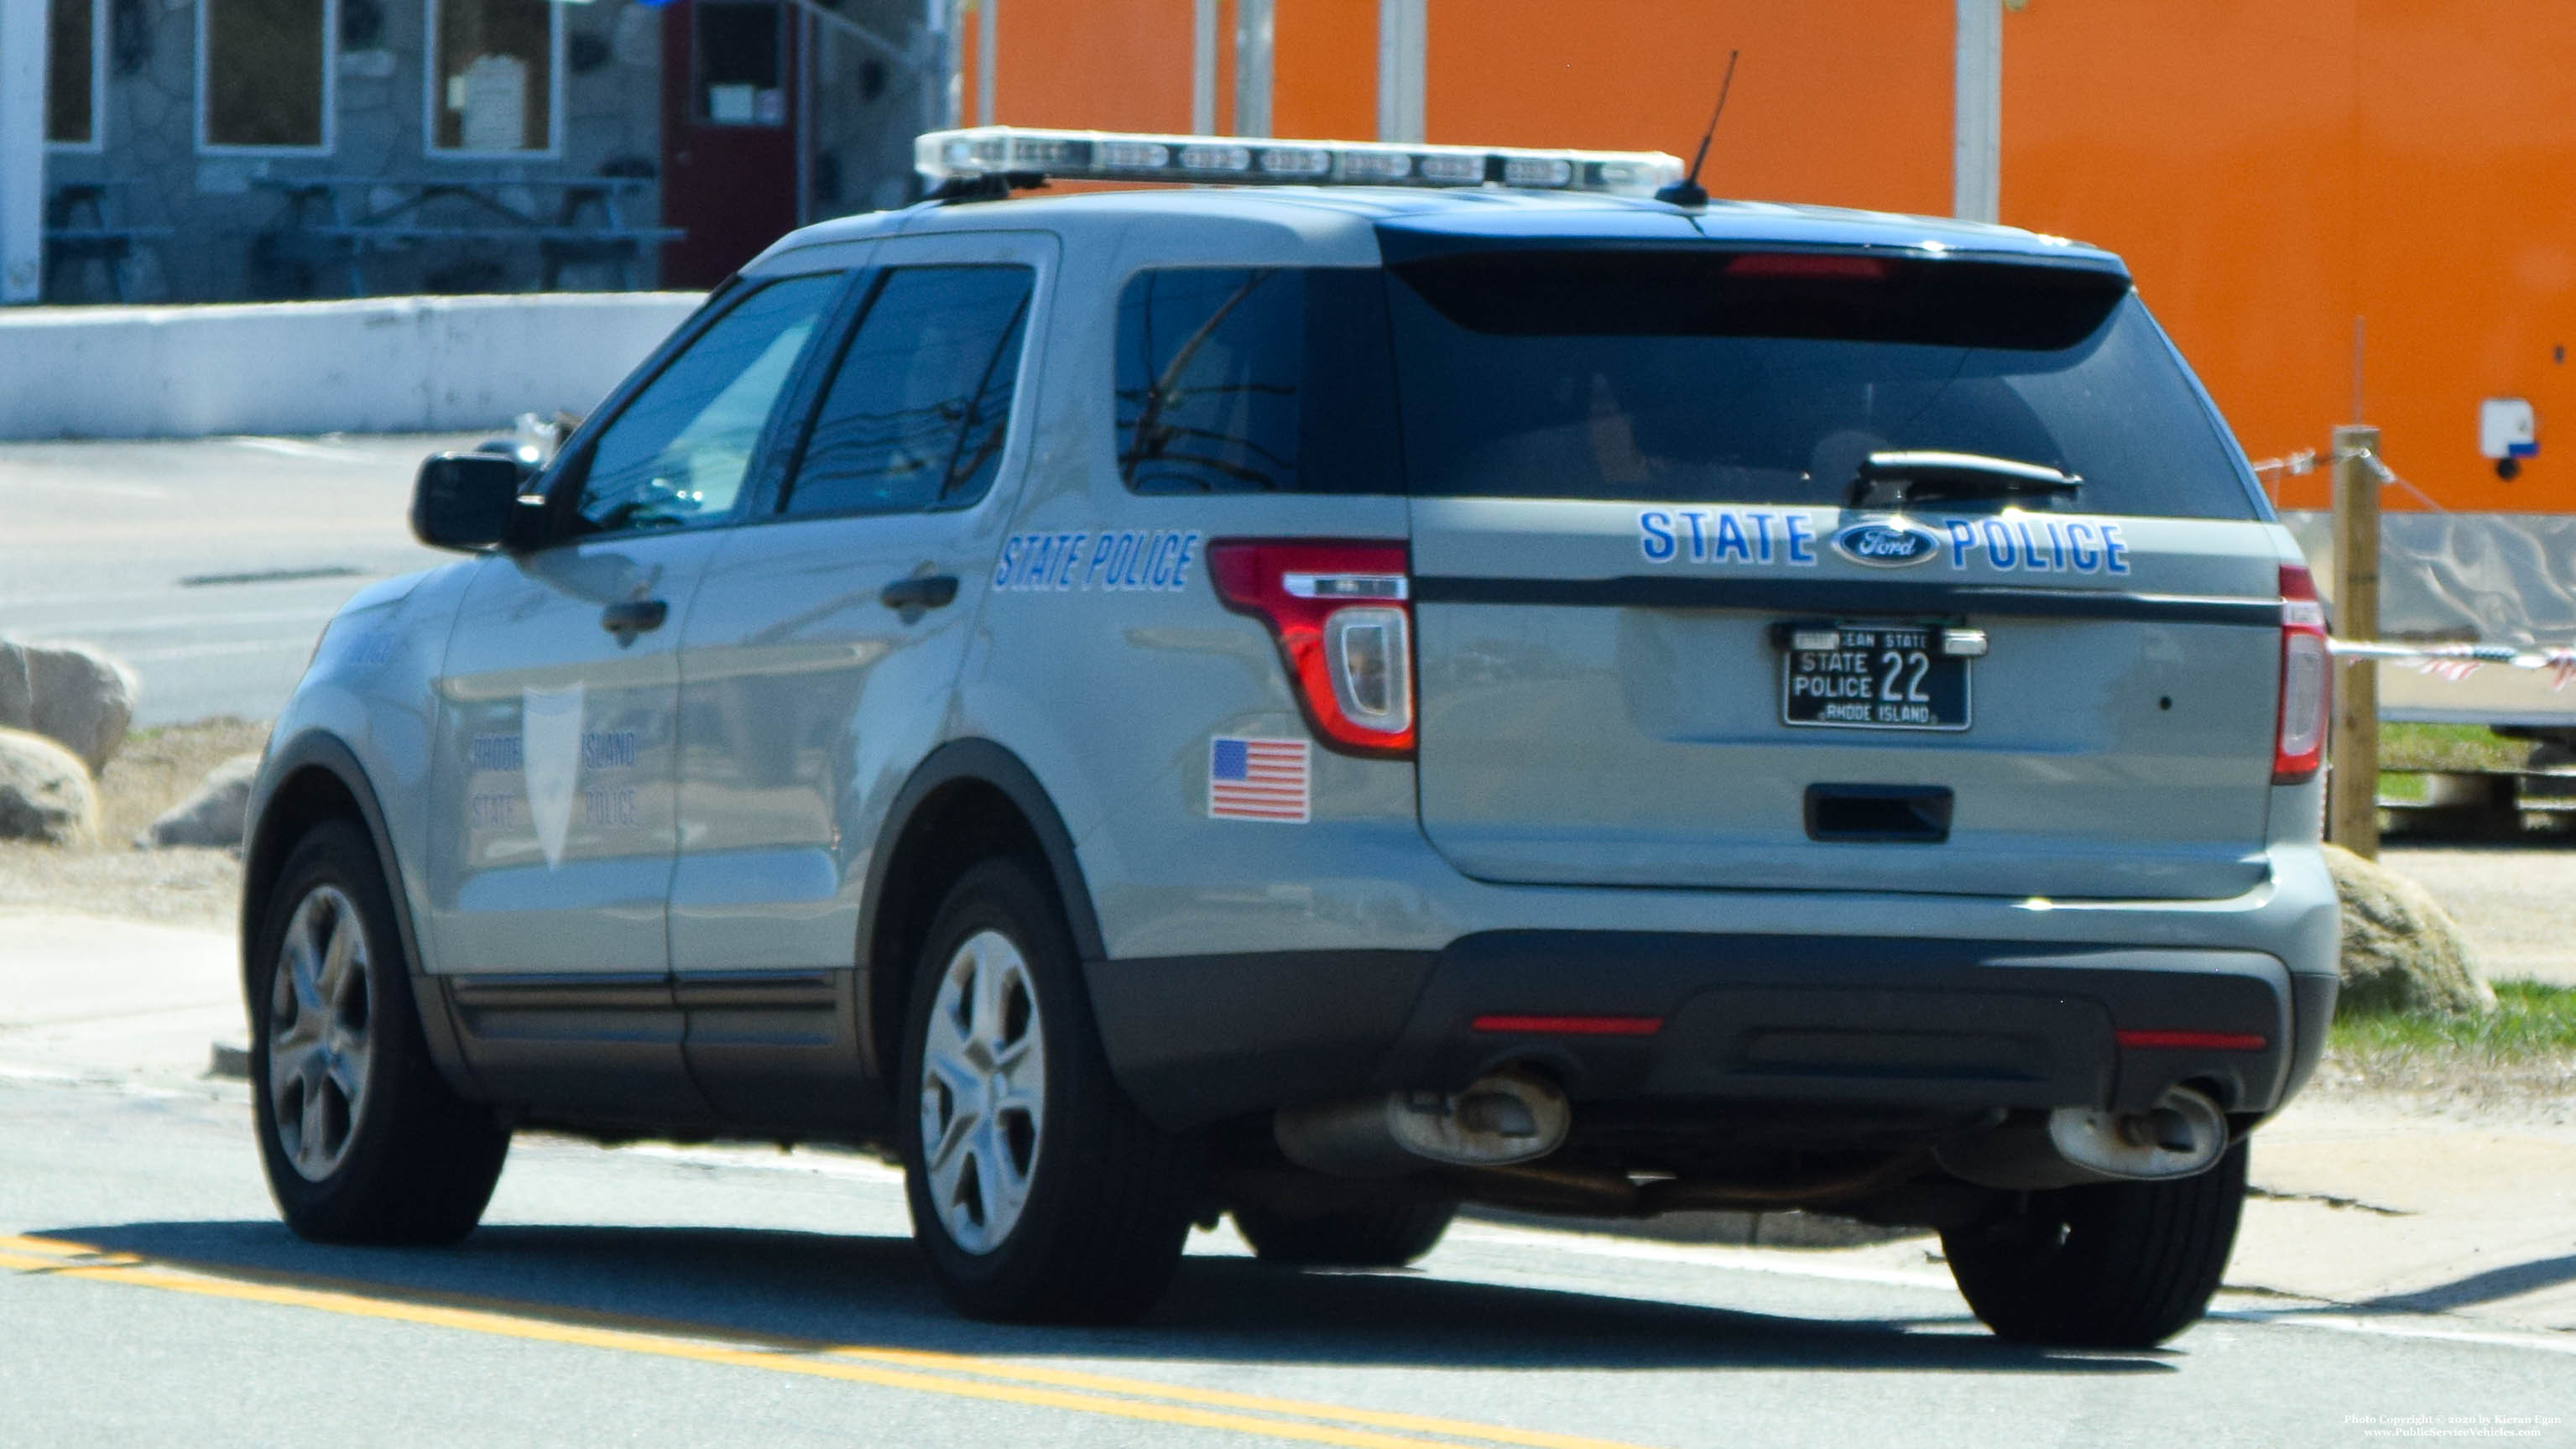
1727,1229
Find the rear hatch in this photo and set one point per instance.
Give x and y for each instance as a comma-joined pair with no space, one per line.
1661,641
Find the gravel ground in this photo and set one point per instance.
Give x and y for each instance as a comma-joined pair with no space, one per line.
154,771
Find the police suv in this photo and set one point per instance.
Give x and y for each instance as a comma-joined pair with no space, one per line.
1404,676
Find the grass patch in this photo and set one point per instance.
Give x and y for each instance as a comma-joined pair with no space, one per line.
2530,1021
2448,747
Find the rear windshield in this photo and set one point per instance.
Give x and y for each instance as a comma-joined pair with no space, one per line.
1768,378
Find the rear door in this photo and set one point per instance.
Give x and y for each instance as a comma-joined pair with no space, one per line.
820,657
1660,646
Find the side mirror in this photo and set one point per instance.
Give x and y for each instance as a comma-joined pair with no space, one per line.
470,501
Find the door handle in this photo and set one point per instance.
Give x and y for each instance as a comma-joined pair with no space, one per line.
635,616
909,597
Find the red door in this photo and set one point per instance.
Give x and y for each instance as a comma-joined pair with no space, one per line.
728,134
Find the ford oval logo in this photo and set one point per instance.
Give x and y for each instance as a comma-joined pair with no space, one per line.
1887,545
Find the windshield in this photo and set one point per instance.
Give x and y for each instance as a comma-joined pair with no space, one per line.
1770,378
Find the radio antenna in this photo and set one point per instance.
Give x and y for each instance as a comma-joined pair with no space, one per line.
1687,191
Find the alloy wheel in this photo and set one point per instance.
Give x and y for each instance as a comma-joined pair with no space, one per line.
321,1032
983,1091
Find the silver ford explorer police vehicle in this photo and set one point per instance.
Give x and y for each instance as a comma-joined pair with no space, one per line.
1423,676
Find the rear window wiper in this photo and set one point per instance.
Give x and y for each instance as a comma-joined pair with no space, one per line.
1906,478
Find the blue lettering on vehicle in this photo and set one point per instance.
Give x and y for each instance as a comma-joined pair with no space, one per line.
2080,548
1148,561
2014,544
2115,552
1655,537
1999,545
1725,535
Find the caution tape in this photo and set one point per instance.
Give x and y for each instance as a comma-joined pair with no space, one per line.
2456,662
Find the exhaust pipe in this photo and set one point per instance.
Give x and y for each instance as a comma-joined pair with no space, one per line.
2183,1133
1509,1116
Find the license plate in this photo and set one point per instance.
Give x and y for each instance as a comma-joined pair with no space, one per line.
1873,677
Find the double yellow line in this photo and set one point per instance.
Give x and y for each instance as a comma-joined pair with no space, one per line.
961,1376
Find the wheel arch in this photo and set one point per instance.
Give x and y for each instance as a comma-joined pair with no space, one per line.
310,779
969,800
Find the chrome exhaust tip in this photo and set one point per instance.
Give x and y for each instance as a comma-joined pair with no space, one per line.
2182,1134
1507,1117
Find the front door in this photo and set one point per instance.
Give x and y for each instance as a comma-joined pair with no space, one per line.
555,772
728,134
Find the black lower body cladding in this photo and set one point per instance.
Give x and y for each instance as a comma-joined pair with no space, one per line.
1820,1019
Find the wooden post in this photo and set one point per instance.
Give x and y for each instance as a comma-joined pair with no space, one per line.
2352,812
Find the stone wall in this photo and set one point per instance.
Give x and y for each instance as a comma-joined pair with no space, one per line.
228,239
218,213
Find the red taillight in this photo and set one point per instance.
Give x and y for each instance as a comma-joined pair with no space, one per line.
2207,1041
1809,266
2307,680
1571,1025
1342,614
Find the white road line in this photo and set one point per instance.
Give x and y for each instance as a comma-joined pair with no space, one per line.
2542,1340
87,487
1706,1255
208,651
1780,1263
204,622
291,448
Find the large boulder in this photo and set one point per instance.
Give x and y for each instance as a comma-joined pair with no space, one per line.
2401,950
69,693
215,814
45,792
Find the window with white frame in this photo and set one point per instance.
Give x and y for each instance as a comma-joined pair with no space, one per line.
264,74
495,69
75,72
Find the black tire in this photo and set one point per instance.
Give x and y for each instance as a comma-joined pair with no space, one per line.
1098,1233
412,1163
2106,1265
1387,1234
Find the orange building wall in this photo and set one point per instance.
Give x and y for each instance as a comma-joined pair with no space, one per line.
1326,53
1845,102
2272,169
1111,65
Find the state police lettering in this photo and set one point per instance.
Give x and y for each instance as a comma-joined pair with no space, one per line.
2014,543
1115,561
1727,535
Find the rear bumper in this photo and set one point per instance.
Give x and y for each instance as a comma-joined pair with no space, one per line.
1814,1019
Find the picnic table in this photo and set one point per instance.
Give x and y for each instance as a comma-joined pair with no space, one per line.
362,214
81,227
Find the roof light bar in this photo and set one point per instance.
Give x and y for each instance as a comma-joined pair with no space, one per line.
941,156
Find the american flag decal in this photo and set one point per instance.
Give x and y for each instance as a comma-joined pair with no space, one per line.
1258,780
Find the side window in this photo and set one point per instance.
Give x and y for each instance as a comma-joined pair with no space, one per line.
1256,380
678,452
914,415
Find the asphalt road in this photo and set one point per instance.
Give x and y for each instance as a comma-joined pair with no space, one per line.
209,565
669,1295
